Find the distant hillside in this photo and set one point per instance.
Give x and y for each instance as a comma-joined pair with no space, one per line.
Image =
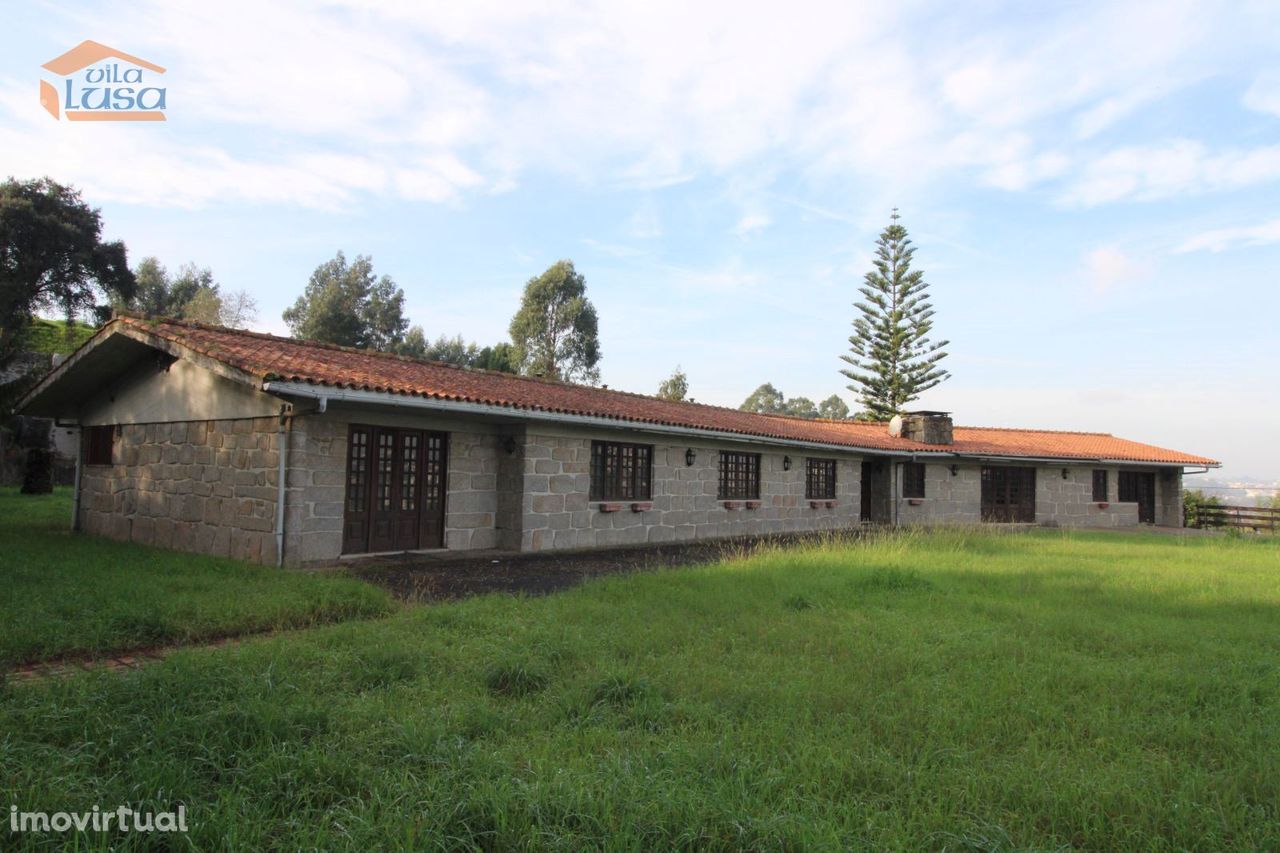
52,336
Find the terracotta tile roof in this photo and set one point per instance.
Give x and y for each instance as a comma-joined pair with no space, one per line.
270,358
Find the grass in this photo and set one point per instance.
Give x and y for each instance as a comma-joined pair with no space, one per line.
53,336
67,594
952,690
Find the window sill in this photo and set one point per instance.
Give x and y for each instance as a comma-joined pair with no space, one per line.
915,501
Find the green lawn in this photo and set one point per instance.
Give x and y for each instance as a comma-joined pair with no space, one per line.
63,593
950,690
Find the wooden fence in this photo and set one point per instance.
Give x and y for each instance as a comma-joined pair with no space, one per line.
1256,518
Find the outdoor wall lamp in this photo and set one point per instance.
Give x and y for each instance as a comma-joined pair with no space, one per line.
1066,475
510,446
955,470
786,463
690,456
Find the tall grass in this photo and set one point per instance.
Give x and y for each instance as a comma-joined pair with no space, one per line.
951,690
66,594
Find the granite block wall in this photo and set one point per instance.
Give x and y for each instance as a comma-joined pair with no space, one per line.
557,512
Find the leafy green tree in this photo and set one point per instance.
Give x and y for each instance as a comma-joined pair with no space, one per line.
833,409
53,257
555,333
766,400
801,407
500,357
675,387
346,304
1194,502
892,361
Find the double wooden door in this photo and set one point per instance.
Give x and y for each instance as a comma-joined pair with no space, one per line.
1139,487
1008,494
395,490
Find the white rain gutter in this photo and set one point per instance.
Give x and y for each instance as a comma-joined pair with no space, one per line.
386,398
282,453
325,393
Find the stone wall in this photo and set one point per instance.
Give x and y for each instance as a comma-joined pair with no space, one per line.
1068,502
1169,497
558,514
203,486
315,497
471,503
948,498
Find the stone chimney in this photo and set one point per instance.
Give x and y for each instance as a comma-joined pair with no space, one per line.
927,427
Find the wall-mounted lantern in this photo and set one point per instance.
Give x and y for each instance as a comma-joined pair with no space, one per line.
510,446
955,470
690,456
786,463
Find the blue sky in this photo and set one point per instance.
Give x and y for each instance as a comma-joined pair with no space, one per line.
1093,188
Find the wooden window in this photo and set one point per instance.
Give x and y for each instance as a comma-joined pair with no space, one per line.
913,479
1009,494
1100,485
820,479
99,442
621,472
739,476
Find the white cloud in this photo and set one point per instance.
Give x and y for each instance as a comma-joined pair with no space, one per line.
1264,95
1221,239
1180,167
750,223
432,102
1107,269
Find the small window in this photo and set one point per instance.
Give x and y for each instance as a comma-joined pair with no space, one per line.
621,472
739,476
913,479
1100,485
820,479
99,441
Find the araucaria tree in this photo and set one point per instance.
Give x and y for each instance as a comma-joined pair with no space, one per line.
555,333
892,361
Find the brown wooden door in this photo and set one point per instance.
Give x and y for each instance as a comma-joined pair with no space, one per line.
1140,487
870,471
395,490
1008,494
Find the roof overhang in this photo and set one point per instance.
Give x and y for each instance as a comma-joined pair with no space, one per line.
99,361
328,394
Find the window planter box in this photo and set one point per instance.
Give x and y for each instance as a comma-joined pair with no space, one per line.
731,504
832,504
817,504
1103,504
641,506
915,501
609,507
752,504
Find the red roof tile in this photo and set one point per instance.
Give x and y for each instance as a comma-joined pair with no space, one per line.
271,358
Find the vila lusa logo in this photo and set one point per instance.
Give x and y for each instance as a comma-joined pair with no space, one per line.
100,83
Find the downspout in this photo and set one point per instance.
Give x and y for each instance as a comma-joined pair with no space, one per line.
282,443
75,499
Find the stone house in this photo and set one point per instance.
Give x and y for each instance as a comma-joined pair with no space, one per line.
282,451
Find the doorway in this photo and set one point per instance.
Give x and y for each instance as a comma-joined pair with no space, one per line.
395,490
1008,495
1140,487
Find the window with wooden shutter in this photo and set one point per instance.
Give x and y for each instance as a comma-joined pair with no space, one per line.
913,479
739,476
99,445
621,472
820,479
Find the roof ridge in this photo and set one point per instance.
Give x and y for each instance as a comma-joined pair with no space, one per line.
1046,431
307,342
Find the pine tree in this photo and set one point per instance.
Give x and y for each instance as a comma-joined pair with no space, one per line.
892,361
